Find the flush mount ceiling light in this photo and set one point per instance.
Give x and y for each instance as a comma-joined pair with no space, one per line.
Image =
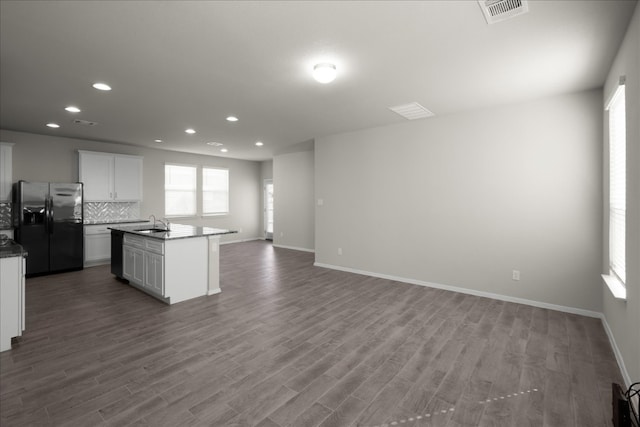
259,143
157,140
72,109
232,119
215,144
324,72
190,131
101,86
53,125
223,150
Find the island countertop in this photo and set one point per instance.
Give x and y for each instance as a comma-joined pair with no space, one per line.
12,249
176,231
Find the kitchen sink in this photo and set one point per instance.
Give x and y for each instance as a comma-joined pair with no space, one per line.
151,230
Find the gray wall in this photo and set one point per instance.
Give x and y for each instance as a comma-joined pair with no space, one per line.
623,317
46,158
463,200
293,188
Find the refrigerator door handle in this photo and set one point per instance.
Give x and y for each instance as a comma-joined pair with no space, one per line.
46,215
50,218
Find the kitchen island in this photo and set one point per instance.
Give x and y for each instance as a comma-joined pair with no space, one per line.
171,265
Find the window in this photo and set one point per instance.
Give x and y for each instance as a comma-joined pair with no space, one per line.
179,190
617,192
215,191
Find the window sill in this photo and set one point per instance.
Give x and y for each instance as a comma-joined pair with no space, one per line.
215,214
617,288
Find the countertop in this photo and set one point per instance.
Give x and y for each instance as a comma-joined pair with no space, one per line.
117,221
12,250
176,231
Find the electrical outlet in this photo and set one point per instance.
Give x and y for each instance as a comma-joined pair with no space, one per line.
240,230
282,234
515,275
320,202
339,251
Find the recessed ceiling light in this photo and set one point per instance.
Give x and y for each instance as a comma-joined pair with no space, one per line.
190,131
157,140
215,144
232,119
53,125
324,72
259,143
102,86
224,150
72,109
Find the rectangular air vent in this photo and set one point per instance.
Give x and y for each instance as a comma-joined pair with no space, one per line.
84,122
500,10
412,111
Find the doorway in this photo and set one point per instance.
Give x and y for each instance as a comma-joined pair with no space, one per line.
268,209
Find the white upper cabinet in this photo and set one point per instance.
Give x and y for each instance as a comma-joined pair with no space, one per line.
5,171
110,177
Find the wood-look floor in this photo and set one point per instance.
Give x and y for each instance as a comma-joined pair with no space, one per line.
289,344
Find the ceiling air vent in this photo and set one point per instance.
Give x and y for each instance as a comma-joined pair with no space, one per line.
500,10
84,122
412,111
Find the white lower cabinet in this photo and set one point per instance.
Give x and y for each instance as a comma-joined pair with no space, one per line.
143,263
154,273
171,270
12,299
97,245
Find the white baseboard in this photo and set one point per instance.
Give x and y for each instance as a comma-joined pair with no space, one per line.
623,369
214,291
240,240
96,263
507,298
295,248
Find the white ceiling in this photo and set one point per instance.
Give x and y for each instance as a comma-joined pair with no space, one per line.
180,64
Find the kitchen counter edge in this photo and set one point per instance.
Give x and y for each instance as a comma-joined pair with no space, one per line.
177,231
12,249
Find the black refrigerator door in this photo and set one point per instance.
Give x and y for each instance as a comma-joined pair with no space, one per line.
66,240
32,225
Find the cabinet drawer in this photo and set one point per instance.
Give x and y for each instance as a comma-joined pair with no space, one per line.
96,229
132,240
153,245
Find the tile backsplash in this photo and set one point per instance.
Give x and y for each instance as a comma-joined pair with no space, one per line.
5,214
111,211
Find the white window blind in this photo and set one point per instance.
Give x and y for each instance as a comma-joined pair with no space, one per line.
617,183
179,190
215,191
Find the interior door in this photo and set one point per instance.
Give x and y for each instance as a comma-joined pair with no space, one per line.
268,209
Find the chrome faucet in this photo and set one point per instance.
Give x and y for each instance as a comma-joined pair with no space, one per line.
166,223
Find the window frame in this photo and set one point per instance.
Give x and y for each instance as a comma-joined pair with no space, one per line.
203,190
194,214
617,200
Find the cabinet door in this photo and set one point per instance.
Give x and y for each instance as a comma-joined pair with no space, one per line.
97,247
96,172
10,300
127,262
127,178
5,172
138,266
154,273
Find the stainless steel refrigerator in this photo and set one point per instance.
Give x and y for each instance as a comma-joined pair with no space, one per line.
48,224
